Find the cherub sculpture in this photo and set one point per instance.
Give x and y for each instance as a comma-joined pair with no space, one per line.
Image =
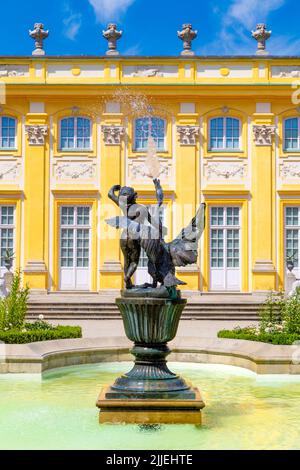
163,257
131,245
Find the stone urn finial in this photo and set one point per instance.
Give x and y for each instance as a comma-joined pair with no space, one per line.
38,34
112,35
261,35
187,35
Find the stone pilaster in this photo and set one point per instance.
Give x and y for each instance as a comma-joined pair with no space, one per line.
112,145
263,194
36,202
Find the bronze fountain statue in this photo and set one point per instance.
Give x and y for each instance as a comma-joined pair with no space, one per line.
150,393
162,257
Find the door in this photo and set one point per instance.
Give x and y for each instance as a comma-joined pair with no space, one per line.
74,262
292,237
141,275
225,251
7,234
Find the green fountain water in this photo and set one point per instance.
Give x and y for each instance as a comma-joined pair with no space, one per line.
243,411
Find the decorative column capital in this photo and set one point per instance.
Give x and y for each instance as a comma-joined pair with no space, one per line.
39,35
187,134
263,134
36,134
112,35
261,35
112,134
187,35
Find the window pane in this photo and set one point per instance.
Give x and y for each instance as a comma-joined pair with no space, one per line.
8,132
291,128
142,132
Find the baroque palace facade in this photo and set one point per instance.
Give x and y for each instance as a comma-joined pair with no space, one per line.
227,132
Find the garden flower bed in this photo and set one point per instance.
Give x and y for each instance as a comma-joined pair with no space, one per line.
14,329
279,322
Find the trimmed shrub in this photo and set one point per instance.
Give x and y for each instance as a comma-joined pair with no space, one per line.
272,338
32,336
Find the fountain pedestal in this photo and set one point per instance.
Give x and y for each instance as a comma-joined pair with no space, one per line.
150,393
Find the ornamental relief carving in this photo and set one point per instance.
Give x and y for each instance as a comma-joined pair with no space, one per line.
150,71
187,134
36,134
74,171
290,170
263,134
9,171
225,170
137,170
112,134
286,72
14,70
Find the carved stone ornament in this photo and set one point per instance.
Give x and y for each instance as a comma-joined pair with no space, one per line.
225,170
112,35
263,134
113,134
9,171
13,70
290,170
36,134
187,35
187,134
261,35
139,172
39,35
148,72
75,171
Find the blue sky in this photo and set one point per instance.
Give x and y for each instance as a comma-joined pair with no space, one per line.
224,27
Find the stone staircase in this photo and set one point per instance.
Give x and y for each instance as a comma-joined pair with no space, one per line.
102,307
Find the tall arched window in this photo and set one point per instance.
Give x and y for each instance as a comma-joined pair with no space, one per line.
292,134
144,127
8,129
225,133
75,133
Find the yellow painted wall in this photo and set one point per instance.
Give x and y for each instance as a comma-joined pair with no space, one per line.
194,173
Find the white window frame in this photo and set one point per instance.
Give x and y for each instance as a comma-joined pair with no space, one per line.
8,226
292,227
137,149
225,228
76,149
284,134
75,227
15,136
224,149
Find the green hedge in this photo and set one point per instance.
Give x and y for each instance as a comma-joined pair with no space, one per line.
273,338
22,337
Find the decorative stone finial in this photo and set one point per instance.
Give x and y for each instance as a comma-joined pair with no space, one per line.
38,34
261,35
187,35
112,36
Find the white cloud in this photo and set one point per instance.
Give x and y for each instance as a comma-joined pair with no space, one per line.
133,50
110,10
249,12
72,22
237,22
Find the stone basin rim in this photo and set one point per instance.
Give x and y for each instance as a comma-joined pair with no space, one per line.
261,358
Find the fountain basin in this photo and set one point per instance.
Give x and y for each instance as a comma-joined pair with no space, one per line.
56,410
